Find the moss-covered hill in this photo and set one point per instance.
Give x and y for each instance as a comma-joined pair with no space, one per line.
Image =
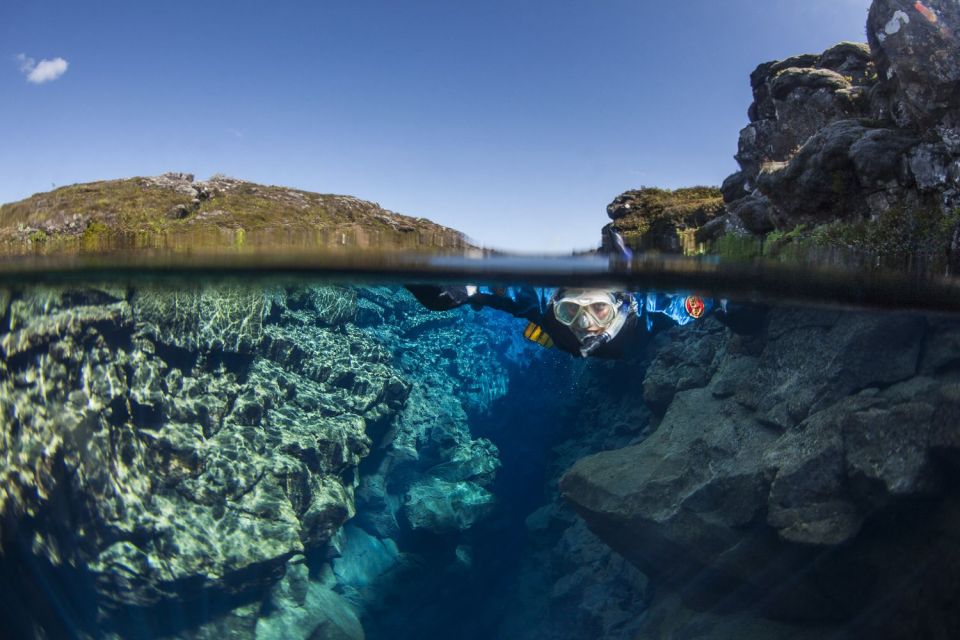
174,212
664,219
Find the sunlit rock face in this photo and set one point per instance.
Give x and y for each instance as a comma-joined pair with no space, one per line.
169,446
783,478
859,146
856,148
172,444
430,474
917,54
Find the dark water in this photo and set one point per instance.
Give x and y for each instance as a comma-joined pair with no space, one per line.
277,452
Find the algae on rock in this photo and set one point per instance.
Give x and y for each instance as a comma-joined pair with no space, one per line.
196,453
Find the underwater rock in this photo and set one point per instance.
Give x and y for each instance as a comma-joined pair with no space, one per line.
430,441
164,444
329,306
301,608
676,504
221,319
443,507
584,589
839,431
669,617
363,558
677,367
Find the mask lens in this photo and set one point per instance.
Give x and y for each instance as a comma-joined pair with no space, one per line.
602,312
566,311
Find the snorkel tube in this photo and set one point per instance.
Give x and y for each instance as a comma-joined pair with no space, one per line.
589,344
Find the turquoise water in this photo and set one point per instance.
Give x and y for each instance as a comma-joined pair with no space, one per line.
206,455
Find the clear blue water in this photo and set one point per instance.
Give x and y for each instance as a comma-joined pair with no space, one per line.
190,456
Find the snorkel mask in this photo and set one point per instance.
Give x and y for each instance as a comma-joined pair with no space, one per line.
586,308
594,316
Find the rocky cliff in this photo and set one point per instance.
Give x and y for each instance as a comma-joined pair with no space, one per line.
855,148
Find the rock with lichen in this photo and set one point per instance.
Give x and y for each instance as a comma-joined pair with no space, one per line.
662,219
854,149
846,145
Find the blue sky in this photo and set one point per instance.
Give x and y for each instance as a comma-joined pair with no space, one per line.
515,122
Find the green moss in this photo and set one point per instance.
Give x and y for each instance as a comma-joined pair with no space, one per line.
899,234
902,237
38,237
779,240
95,236
655,212
736,248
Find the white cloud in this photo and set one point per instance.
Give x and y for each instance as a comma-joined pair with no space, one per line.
43,71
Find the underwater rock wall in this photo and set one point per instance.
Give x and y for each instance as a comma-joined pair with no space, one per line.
427,490
806,476
184,457
429,474
320,462
162,447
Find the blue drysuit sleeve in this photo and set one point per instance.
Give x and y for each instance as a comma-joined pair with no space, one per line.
679,307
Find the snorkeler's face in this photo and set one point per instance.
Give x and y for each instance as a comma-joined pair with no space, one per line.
586,312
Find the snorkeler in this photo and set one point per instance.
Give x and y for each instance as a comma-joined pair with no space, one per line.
584,322
593,322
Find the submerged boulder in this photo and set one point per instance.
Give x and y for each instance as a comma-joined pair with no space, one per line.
442,507
302,608
780,479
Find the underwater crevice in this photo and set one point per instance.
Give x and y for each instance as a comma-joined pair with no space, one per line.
191,604
146,416
424,327
177,357
238,364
